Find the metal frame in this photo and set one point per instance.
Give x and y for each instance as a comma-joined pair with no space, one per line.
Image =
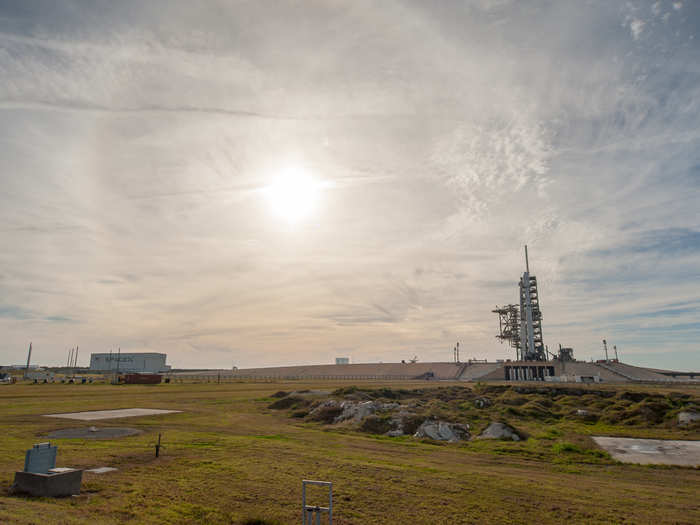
308,512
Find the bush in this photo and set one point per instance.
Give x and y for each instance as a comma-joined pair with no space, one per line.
411,424
345,391
375,425
327,414
288,402
536,409
513,399
564,447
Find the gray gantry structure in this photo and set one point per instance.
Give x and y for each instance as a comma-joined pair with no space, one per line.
521,325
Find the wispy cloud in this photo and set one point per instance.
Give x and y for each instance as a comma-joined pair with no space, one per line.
136,140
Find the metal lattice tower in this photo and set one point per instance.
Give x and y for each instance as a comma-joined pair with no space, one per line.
522,327
509,326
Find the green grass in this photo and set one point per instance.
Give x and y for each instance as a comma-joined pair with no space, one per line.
228,458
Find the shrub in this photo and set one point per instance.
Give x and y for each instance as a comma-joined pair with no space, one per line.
327,414
564,447
288,402
411,424
375,425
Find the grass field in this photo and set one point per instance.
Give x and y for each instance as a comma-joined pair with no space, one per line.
228,458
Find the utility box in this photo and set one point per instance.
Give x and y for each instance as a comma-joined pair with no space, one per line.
65,482
40,476
342,360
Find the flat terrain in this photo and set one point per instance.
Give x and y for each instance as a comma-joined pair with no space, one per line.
229,458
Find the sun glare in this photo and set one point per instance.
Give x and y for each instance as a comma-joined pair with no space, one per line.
293,195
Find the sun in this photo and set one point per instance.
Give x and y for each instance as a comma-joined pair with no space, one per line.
293,195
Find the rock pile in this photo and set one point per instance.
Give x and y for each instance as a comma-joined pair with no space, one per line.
351,410
442,431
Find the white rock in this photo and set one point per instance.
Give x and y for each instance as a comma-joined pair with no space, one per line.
499,431
442,431
686,418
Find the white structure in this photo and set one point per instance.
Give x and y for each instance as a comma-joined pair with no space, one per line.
137,362
342,360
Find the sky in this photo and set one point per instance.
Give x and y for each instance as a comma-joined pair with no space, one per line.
258,183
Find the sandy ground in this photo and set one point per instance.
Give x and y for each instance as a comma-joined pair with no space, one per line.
651,451
112,414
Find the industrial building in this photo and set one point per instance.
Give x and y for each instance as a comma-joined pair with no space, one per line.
146,362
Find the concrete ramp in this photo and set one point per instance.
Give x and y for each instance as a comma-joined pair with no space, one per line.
352,371
475,371
636,373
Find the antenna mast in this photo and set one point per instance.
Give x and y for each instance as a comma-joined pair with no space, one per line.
527,263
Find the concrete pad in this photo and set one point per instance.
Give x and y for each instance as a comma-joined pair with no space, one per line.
93,433
113,414
651,451
101,470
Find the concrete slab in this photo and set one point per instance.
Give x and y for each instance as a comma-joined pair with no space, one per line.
651,451
113,414
93,433
101,470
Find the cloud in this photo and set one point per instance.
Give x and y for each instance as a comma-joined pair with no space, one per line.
59,319
636,27
136,141
14,312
